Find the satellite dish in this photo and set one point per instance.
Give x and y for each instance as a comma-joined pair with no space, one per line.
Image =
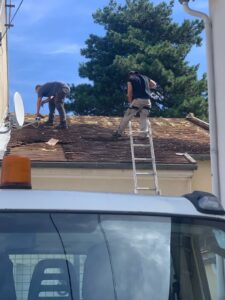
19,109
20,114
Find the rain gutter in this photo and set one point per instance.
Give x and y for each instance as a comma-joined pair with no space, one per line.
211,96
213,128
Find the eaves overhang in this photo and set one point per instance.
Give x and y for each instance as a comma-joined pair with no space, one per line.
108,165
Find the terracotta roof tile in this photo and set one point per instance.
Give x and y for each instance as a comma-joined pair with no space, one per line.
89,139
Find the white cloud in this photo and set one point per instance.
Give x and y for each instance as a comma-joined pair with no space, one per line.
57,48
17,39
33,11
28,45
66,49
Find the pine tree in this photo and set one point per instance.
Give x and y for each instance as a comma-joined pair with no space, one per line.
140,36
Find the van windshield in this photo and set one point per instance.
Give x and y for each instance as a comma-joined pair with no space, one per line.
77,256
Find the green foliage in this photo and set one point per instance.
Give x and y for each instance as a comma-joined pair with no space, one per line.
140,36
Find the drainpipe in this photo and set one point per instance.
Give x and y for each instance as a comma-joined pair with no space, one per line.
213,129
211,96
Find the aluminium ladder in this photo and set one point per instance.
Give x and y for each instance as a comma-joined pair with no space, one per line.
150,160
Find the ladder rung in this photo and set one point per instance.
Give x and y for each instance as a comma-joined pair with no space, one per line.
145,173
137,134
142,131
146,188
142,145
136,137
142,159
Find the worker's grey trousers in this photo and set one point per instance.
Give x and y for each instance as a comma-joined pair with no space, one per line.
142,106
58,103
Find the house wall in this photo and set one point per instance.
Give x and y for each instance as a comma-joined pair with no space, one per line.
171,182
217,9
121,181
201,181
3,65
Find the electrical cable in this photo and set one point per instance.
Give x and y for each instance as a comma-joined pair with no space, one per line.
10,20
6,131
10,5
36,125
18,8
3,35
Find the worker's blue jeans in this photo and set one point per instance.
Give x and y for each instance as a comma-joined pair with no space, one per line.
58,103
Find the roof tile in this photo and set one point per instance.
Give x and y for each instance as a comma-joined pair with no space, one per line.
89,139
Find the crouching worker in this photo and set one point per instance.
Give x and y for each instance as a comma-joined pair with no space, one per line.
56,92
138,94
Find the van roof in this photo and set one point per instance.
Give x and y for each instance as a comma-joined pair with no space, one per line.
44,200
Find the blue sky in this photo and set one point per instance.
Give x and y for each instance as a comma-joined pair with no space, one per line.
45,42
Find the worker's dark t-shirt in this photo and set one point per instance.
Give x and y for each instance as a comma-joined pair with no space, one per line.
52,88
138,86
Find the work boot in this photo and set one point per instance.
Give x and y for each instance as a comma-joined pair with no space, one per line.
116,134
62,126
40,116
48,123
144,135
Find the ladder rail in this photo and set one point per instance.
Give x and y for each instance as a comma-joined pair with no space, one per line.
133,157
153,158
150,159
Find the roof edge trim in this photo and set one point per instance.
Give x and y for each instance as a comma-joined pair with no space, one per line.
107,165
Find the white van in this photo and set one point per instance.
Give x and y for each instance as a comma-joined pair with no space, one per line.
57,245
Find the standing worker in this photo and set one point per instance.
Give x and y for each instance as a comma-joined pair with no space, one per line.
56,92
138,94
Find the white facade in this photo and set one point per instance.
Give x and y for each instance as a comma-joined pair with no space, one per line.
4,138
215,46
3,65
217,15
